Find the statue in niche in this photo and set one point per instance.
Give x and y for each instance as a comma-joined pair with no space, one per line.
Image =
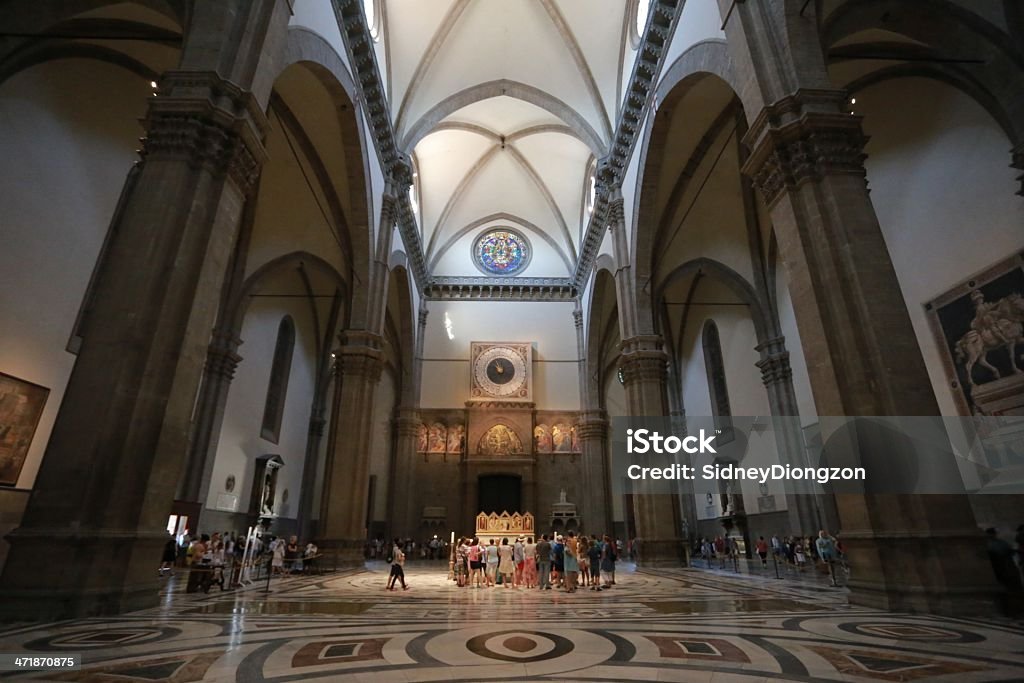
456,439
437,438
575,439
562,437
500,440
542,439
269,484
561,496
421,438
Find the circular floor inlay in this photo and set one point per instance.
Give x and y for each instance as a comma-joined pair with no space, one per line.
518,644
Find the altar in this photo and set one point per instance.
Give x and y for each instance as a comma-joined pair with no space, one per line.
510,526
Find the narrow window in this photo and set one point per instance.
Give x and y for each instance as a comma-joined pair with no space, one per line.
715,366
273,411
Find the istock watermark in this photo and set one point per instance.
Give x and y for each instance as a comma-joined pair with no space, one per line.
782,455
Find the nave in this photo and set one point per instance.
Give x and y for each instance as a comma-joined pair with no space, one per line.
654,625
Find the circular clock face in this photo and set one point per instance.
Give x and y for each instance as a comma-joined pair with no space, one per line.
500,371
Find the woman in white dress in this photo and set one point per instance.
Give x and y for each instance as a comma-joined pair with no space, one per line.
506,567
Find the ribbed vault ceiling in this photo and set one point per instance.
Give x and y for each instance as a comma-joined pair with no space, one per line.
503,105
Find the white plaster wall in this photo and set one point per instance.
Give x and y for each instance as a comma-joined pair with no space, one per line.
458,259
797,362
287,216
68,131
446,372
318,16
944,193
240,441
714,221
700,20
747,395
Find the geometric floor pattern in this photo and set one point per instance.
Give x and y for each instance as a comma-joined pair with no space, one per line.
669,625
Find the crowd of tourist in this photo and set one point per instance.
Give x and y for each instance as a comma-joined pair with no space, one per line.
800,553
217,560
568,562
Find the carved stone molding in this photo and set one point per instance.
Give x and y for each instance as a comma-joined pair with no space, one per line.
222,358
500,405
514,288
361,355
593,424
803,137
616,211
577,319
397,168
317,425
207,121
643,359
407,422
664,15
774,363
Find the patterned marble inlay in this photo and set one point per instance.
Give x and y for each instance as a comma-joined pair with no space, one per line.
672,624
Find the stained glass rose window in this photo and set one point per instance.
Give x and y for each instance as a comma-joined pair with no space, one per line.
501,252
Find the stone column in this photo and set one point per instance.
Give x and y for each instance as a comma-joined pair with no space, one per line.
404,517
95,524
347,469
592,432
918,553
805,508
644,365
1017,162
222,360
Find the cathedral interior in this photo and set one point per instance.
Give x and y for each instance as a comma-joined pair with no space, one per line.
351,271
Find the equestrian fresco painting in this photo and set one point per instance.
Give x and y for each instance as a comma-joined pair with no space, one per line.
980,329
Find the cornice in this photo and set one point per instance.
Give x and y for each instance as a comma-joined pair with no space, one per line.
612,167
504,288
396,166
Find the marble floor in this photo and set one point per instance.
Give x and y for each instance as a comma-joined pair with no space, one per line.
673,625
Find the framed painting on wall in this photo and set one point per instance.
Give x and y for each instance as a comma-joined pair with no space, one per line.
978,325
21,405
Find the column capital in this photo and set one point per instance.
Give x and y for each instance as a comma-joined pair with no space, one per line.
407,420
643,359
803,137
316,426
593,424
774,363
616,210
361,354
203,119
577,319
1017,162
222,357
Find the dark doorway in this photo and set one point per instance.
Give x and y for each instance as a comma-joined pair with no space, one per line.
499,493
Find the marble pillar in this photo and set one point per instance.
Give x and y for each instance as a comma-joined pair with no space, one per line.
644,362
95,524
343,510
916,553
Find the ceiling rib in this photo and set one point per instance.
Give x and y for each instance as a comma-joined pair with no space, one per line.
581,64
508,88
546,193
612,167
453,199
436,42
